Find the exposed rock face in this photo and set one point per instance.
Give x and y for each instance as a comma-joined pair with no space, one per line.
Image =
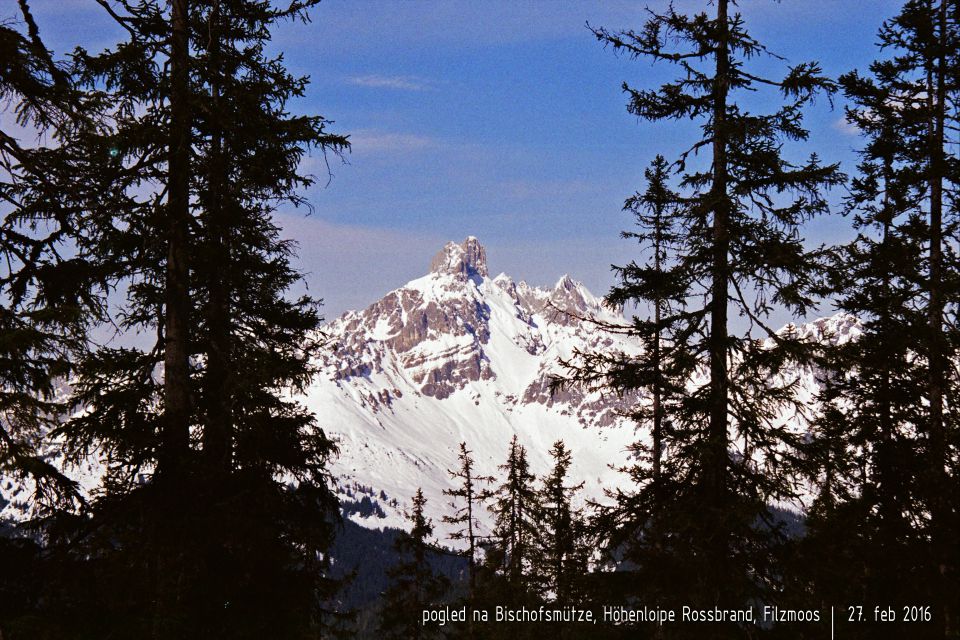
458,356
467,259
436,332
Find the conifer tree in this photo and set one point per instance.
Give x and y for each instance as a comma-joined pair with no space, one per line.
662,376
514,505
53,289
46,299
560,554
927,34
414,584
657,282
216,510
872,396
470,497
741,213
889,388
652,213
46,302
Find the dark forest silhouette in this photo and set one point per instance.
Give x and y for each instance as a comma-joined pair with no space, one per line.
162,163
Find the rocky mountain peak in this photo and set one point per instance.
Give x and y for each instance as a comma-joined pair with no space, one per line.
467,259
566,283
571,296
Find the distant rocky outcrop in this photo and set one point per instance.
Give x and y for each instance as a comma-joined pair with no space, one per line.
467,259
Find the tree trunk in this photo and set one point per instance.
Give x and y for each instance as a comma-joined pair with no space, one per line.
472,567
888,507
218,419
658,383
175,437
716,462
176,377
937,96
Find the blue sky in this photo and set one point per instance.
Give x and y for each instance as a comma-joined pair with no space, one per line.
503,120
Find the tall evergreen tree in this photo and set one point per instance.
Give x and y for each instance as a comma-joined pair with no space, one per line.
414,584
656,282
652,213
560,553
470,497
514,506
46,299
864,445
53,290
929,34
46,302
900,277
740,249
216,510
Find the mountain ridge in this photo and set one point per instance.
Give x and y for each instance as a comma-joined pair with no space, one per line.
457,356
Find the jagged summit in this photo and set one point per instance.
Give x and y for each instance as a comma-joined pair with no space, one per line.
442,333
466,259
565,282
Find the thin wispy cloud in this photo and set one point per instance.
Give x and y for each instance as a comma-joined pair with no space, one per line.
846,127
399,83
386,141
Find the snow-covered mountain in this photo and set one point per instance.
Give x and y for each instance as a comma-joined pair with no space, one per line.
457,356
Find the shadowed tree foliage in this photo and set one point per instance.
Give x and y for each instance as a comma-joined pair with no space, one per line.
414,584
560,553
654,212
470,498
505,577
48,292
738,216
514,506
48,298
885,440
215,510
169,155
864,448
657,283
